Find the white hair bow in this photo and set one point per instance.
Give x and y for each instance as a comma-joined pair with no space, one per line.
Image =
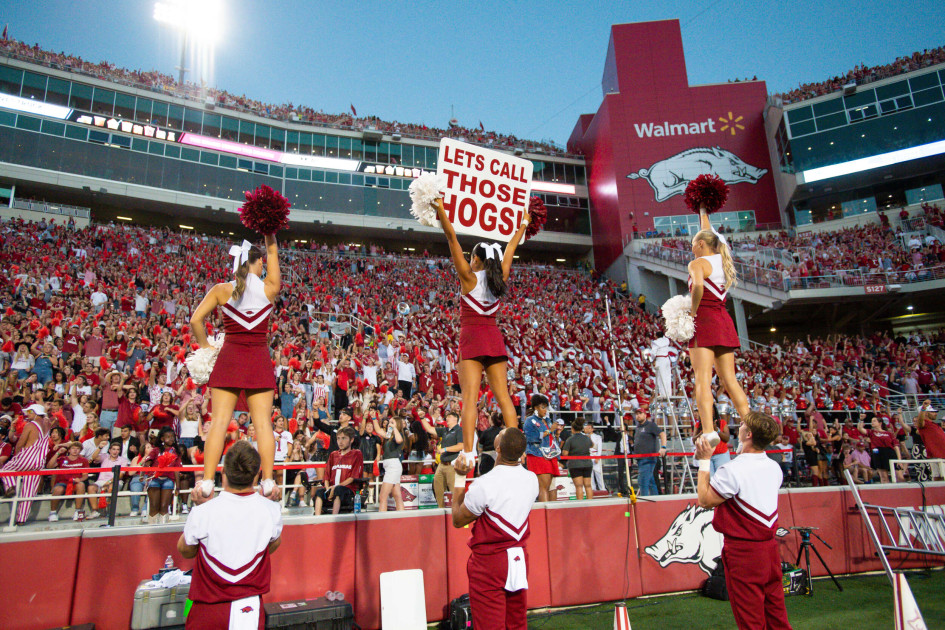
719,236
240,254
491,250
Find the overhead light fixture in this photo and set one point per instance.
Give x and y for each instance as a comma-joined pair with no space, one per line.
874,161
31,106
560,259
121,218
564,189
185,227
773,329
909,308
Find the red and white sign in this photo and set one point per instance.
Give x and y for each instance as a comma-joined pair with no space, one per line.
486,191
875,288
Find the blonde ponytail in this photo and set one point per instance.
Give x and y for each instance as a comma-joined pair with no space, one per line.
240,284
728,267
714,243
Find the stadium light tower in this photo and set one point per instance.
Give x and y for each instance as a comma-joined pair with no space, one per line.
199,21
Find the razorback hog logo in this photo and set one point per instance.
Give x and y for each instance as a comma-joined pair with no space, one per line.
670,177
246,609
691,539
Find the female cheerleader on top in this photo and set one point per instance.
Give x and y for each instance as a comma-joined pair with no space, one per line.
711,275
481,346
243,362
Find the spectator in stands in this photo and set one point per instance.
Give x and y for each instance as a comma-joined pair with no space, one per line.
543,448
857,461
162,484
31,453
103,484
69,483
581,470
393,450
343,473
650,440
884,445
449,448
930,432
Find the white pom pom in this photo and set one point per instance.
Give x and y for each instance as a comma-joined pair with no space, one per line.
425,190
680,327
200,362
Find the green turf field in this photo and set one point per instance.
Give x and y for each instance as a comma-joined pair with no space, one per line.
866,603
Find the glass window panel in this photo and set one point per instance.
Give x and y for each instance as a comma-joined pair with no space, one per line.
122,141
394,151
261,168
331,145
831,121
318,176
406,154
10,80
53,128
917,83
57,91
211,125
904,102
291,173
124,106
926,97
81,97
261,136
103,102
800,114
143,110
156,148
247,132
172,150
230,129
344,178
383,152
802,128
344,147
828,107
193,120
27,122
305,144
34,86
138,144
357,149
859,99
305,175
244,165
227,161
77,133
318,144
432,156
206,157
292,142
331,177
175,116
191,155
893,89
98,137
158,112
276,139
370,151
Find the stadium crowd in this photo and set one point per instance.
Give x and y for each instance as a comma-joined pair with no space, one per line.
855,255
95,331
156,81
862,74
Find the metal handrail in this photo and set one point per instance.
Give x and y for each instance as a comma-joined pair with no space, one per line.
46,207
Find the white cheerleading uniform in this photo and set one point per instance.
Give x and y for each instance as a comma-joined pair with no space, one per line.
664,356
232,568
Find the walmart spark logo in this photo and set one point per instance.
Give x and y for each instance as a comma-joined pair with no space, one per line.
731,123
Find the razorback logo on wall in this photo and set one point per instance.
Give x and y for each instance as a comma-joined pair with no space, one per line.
653,133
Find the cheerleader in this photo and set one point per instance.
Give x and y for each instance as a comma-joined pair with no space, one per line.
244,363
711,275
481,346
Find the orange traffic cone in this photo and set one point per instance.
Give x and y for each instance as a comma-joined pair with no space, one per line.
621,620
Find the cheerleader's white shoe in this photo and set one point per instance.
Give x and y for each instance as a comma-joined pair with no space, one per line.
712,439
267,486
206,487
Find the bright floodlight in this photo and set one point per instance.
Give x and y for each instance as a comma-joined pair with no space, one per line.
199,19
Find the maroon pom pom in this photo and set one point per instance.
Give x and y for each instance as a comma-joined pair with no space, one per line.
539,216
265,211
706,191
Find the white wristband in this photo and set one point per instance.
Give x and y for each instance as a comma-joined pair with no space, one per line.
704,465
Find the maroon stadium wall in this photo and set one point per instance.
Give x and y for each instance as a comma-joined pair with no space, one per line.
653,133
579,553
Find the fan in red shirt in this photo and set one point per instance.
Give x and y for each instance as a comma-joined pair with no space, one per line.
343,473
884,447
70,482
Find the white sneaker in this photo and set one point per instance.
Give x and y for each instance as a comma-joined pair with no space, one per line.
75,515
206,487
53,517
712,439
93,514
162,519
171,517
133,513
147,518
267,486
184,509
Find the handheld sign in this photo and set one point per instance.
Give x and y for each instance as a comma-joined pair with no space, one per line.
486,192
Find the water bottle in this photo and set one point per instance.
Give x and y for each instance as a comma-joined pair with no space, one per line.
169,563
357,503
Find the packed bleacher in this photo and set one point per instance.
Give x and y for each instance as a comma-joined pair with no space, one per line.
862,74
95,329
157,81
851,256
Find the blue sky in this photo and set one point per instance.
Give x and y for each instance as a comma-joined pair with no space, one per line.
527,68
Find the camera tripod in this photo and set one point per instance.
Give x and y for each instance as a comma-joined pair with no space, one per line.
806,546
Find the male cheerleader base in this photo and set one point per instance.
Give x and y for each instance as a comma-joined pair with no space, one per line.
498,505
